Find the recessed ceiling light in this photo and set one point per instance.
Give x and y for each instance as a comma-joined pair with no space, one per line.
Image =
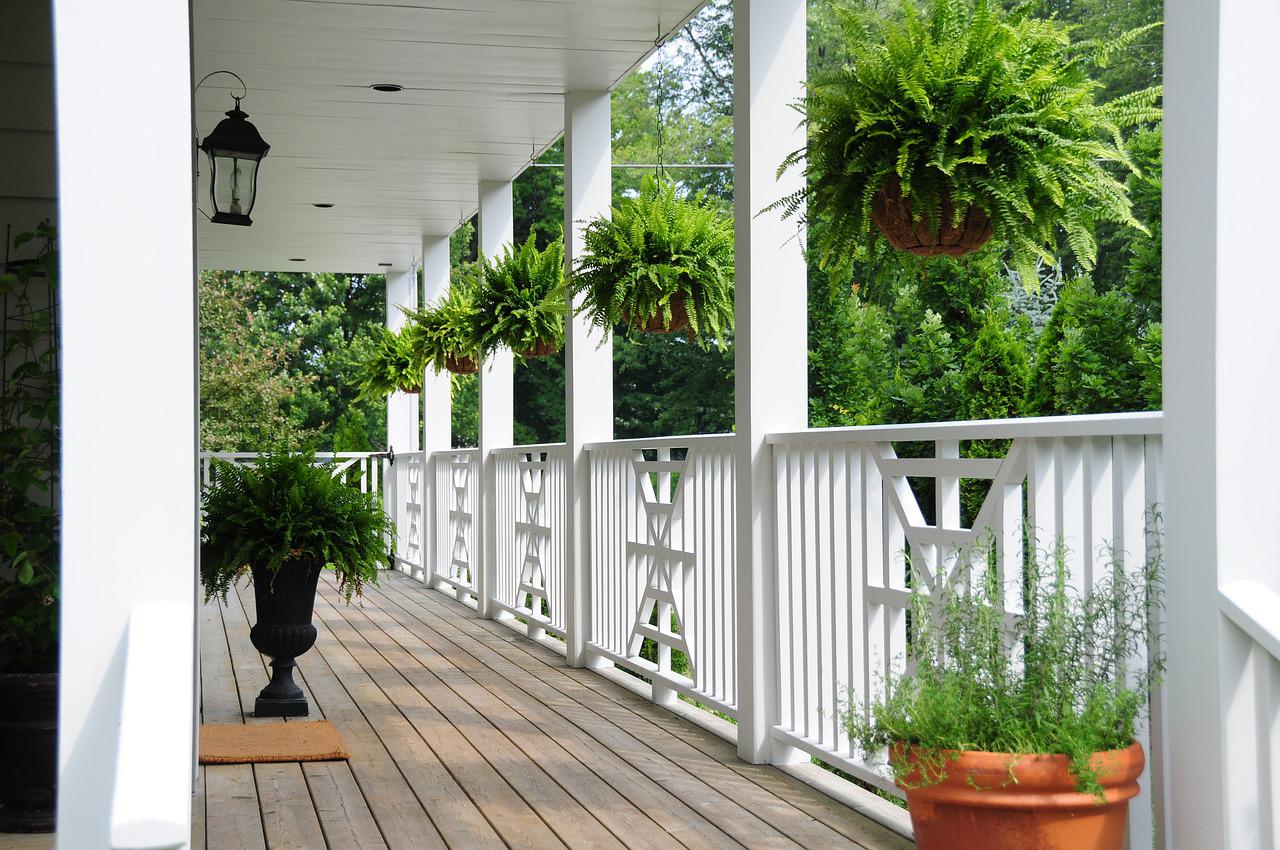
387,87
386,265
297,259
323,206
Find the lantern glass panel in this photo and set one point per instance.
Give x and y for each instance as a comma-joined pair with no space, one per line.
234,183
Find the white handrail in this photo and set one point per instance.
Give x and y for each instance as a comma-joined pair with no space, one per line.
1091,425
1255,609
660,442
148,810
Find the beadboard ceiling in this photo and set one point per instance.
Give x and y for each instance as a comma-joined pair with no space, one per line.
483,81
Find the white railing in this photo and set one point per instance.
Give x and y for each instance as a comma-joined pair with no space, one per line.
529,568
1251,686
662,554
364,469
859,509
457,501
854,507
409,498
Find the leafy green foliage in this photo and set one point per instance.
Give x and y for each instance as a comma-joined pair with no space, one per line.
391,366
1087,360
1073,690
520,302
446,330
281,357
289,511
29,472
964,104
656,247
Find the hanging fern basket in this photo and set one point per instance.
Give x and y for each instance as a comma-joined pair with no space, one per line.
895,216
542,349
461,365
655,324
410,390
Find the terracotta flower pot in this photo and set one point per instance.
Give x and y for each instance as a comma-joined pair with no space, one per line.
654,324
894,214
542,349
461,365
999,801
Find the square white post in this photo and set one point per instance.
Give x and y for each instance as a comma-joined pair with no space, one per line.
402,411
128,358
1221,402
497,397
437,406
771,351
588,372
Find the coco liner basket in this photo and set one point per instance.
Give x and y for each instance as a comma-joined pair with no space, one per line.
461,365
679,318
542,349
894,215
999,801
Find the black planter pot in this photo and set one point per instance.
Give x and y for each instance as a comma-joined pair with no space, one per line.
28,751
283,632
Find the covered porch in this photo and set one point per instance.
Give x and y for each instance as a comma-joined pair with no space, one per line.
493,690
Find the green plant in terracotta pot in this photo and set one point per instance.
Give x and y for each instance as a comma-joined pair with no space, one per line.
520,300
283,520
958,123
661,263
390,366
443,335
1015,724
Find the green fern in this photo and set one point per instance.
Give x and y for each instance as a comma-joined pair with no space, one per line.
520,302
651,249
447,329
288,510
965,103
390,366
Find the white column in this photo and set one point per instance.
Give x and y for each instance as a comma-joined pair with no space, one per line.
588,370
1221,405
497,395
402,410
437,409
128,361
771,353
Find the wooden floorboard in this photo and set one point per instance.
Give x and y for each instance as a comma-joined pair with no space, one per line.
465,735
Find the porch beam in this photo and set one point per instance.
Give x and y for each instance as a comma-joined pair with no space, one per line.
770,337
437,406
588,365
402,408
497,396
128,370
1220,302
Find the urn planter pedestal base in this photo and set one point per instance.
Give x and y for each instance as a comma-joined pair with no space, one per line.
283,632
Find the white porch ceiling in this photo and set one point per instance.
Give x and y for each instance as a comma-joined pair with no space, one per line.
483,81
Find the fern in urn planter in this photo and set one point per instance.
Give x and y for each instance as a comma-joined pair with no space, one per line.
520,302
952,125
660,263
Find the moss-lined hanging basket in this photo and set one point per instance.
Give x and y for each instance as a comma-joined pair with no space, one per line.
461,365
657,323
953,236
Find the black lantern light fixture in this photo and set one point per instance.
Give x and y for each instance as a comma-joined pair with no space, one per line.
235,149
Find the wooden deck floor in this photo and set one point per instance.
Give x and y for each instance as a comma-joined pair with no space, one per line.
465,735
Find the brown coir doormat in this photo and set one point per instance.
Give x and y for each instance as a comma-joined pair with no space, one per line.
314,740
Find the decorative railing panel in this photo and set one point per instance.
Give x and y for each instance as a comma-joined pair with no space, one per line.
365,470
859,508
457,502
663,557
410,497
530,579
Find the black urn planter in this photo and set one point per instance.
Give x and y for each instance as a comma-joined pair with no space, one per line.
283,632
28,751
